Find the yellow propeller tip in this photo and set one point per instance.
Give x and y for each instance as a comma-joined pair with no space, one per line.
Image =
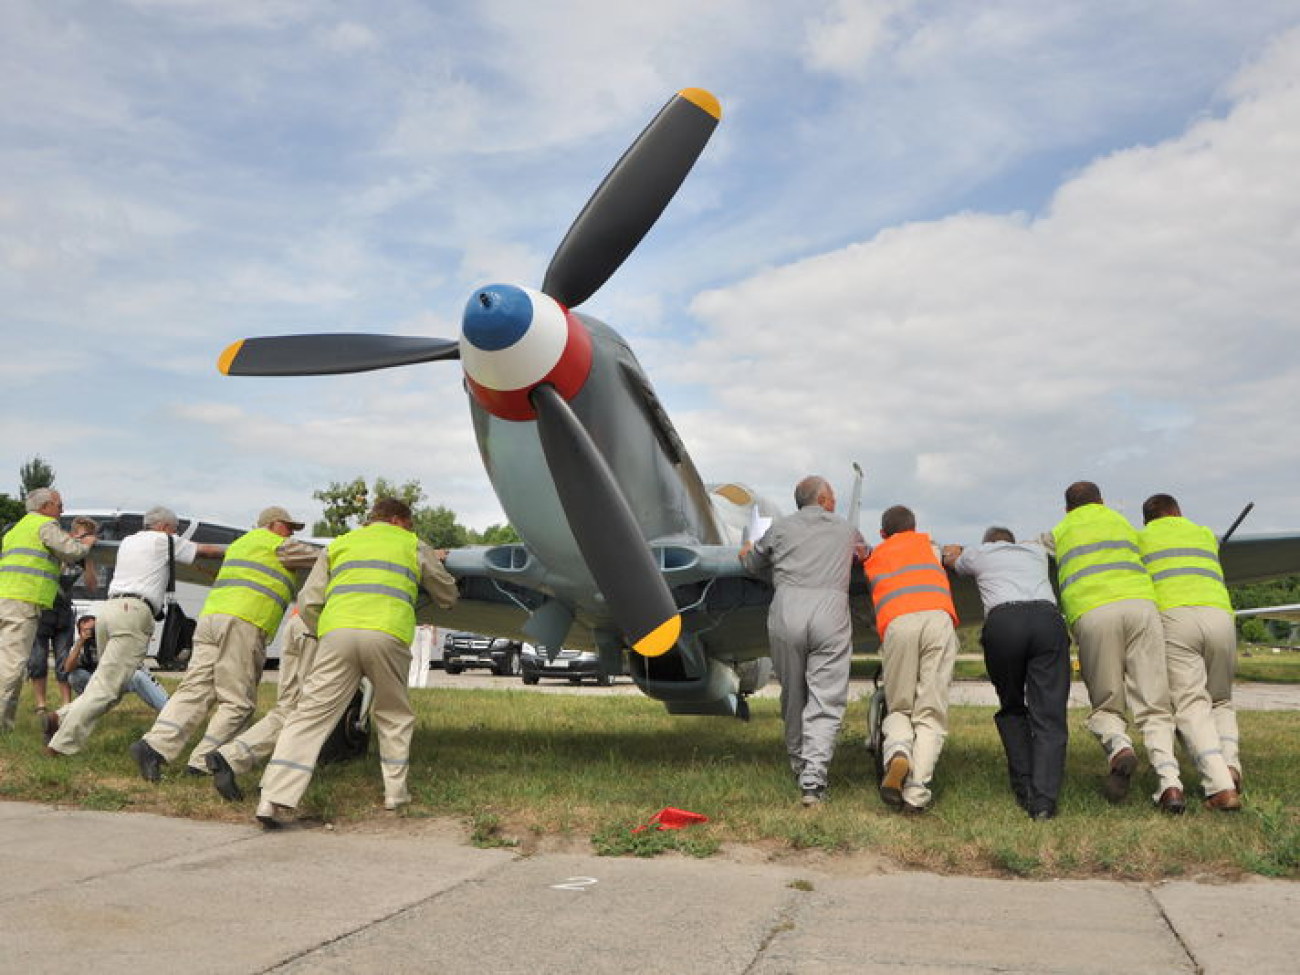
704,99
227,358
661,639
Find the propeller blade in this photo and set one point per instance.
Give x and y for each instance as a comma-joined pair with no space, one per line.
631,198
328,354
606,531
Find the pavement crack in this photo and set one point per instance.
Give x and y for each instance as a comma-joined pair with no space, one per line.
786,919
392,915
1173,929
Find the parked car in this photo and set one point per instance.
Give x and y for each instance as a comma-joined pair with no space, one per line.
461,650
575,666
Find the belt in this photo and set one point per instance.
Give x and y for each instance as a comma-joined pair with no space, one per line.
136,595
1024,604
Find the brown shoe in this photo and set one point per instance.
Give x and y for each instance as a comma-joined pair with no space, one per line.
891,786
1229,800
1172,801
49,725
1122,766
1236,778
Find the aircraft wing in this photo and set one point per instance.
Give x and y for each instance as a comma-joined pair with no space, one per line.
1288,614
500,586
1249,558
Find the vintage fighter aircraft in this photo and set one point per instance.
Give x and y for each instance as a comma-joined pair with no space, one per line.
624,547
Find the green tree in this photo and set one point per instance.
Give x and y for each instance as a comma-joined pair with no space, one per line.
33,475
438,527
345,505
496,535
11,510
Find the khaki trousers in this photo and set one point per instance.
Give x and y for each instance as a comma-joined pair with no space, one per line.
1194,635
18,620
221,679
1122,659
255,745
122,632
342,659
918,654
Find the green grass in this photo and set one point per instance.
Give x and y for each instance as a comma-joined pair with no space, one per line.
523,770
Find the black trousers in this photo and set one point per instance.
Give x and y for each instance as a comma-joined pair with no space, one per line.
1027,654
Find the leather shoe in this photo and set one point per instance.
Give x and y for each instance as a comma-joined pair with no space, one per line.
891,786
1122,766
49,724
149,761
1172,801
1233,771
223,776
1229,800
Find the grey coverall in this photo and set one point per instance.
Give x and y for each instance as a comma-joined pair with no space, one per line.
810,556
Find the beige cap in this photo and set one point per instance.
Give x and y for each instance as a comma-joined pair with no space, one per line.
276,513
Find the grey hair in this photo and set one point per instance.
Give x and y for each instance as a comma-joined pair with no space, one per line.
39,498
158,516
806,491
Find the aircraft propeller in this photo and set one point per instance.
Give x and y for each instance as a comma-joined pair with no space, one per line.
618,215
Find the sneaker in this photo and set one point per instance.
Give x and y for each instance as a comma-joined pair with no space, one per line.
149,761
272,815
49,725
891,786
223,777
1122,766
392,805
813,795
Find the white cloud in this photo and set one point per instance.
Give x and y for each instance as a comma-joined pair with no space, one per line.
1125,334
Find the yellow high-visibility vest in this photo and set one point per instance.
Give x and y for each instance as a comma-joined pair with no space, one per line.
253,584
1097,560
1182,558
28,570
374,581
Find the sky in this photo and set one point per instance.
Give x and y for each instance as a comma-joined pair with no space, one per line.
983,250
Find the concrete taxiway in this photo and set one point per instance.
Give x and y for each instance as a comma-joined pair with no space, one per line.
134,893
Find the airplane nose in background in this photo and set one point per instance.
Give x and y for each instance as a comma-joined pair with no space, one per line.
496,317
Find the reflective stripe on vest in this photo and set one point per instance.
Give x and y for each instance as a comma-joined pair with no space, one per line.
1097,560
374,581
1183,560
905,578
252,583
28,571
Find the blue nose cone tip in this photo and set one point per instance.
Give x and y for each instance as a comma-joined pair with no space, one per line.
496,317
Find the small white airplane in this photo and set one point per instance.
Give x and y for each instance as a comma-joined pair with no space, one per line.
624,546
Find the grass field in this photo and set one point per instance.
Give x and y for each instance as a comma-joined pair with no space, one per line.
524,770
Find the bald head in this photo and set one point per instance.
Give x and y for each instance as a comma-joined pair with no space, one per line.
814,489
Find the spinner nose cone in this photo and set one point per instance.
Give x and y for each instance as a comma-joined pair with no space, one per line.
496,317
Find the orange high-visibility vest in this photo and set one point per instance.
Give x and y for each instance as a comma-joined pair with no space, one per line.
905,577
